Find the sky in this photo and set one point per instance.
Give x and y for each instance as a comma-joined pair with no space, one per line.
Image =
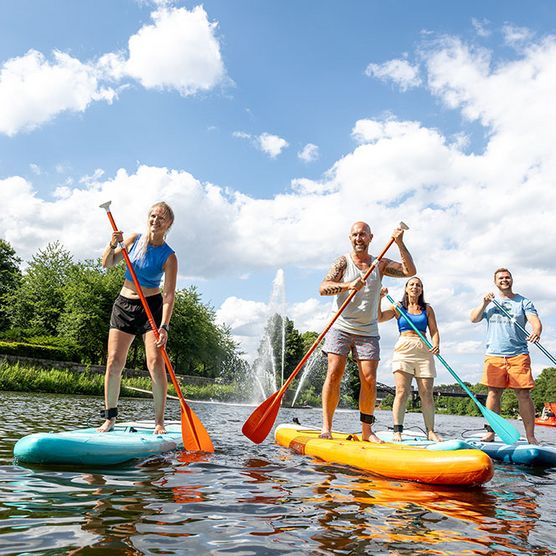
271,126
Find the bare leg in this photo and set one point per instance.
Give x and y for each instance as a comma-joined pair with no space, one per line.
331,391
527,412
403,389
157,370
118,346
367,396
493,403
427,406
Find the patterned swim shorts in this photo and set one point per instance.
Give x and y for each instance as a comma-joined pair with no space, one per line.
363,348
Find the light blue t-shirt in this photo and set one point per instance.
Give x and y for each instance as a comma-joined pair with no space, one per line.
503,336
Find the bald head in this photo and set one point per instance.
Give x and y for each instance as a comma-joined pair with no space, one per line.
360,236
361,226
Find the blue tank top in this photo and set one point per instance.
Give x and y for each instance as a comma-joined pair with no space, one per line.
420,321
149,269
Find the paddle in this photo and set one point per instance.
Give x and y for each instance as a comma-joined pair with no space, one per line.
513,319
260,422
505,430
194,435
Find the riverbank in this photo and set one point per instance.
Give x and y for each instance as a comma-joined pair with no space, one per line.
23,378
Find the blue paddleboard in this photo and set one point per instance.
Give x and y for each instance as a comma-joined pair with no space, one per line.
520,452
127,441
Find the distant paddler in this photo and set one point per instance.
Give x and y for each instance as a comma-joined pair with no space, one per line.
507,363
356,329
152,259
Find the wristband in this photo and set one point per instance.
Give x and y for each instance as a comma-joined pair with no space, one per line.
113,246
165,327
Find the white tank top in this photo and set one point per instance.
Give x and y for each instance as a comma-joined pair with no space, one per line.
361,314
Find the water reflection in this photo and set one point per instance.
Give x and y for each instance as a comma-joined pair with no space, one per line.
247,499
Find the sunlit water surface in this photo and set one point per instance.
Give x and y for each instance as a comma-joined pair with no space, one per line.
249,499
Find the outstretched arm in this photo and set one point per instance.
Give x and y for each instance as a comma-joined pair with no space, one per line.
433,329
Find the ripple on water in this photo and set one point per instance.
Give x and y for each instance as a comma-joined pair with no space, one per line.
248,499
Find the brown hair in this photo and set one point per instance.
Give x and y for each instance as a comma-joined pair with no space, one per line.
502,270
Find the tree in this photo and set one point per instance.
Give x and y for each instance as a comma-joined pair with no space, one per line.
88,297
39,301
545,388
197,344
10,278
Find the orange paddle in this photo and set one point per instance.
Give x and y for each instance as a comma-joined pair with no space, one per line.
194,435
259,423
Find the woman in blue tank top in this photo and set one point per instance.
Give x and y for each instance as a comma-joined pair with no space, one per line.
152,259
412,358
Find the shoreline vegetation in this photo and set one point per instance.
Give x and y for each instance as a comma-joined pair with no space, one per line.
18,377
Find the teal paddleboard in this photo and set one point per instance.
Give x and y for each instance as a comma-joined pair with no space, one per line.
520,452
87,447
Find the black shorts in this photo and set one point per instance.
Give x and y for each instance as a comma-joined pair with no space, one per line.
129,316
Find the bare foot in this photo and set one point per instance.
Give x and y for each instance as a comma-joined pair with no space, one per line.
488,437
373,438
397,437
159,429
532,440
434,437
107,426
326,435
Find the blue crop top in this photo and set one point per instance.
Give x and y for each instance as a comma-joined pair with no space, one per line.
149,269
420,321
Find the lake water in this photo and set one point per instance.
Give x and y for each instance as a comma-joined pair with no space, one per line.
248,499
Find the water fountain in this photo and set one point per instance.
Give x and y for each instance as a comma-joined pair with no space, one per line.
268,367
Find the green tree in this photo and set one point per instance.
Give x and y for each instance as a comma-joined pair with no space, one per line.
39,301
88,296
197,344
545,388
10,278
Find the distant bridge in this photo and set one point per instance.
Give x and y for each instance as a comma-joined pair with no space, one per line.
383,390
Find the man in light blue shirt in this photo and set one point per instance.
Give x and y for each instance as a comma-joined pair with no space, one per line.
507,362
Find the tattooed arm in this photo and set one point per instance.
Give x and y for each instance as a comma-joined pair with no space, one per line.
399,270
332,283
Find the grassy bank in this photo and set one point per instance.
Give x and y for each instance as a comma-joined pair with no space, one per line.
21,378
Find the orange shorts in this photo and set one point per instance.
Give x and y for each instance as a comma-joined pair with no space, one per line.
508,372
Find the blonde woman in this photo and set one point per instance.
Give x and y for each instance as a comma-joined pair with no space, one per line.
412,358
152,259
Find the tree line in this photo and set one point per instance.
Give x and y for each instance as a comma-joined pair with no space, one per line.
59,306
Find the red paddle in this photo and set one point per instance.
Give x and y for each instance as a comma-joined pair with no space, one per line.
259,423
194,435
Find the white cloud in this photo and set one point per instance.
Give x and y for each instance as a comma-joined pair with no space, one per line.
309,153
271,144
481,27
33,90
36,169
179,51
469,212
399,71
515,36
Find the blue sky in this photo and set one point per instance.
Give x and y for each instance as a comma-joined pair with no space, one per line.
272,126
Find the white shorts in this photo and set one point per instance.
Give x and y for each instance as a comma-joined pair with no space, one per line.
412,356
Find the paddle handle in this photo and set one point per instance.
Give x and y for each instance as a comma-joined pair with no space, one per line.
513,319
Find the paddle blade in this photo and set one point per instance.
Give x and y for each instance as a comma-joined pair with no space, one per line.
503,428
194,435
260,422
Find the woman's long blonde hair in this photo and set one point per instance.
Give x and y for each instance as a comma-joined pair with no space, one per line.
144,239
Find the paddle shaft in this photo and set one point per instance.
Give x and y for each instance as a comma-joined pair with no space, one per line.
514,320
315,344
184,407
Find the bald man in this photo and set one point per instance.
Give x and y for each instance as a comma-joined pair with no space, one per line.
356,329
